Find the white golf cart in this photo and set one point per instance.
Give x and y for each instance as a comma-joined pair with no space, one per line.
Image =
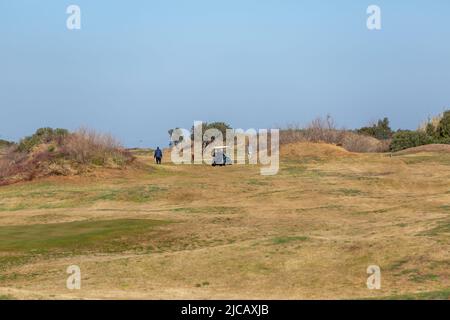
220,157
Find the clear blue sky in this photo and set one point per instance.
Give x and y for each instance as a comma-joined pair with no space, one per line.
138,68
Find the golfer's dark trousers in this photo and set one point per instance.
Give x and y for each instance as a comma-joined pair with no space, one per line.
158,160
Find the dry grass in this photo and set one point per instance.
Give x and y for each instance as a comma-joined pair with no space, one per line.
308,232
361,143
10,162
86,145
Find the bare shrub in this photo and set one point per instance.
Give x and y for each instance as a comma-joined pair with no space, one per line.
10,162
318,130
86,146
361,143
291,134
70,154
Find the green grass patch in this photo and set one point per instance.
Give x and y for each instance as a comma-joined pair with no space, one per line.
431,295
141,151
396,265
6,297
440,158
256,182
16,207
75,237
443,227
416,159
349,192
423,277
294,170
58,197
301,160
316,174
284,240
8,261
303,171
138,194
210,210
408,272
46,217
329,207
375,212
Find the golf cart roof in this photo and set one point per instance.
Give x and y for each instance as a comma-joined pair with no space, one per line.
221,147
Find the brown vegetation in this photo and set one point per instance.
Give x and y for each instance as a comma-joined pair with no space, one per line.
325,131
71,154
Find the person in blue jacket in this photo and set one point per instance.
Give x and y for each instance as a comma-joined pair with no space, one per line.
158,155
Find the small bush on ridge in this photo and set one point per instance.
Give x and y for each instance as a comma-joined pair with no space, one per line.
409,139
59,152
42,135
381,130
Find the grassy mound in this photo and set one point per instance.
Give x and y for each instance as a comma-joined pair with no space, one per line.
368,139
310,149
425,148
59,152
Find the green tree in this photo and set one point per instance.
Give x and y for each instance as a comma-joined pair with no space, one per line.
381,130
180,139
443,128
221,126
430,130
409,139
